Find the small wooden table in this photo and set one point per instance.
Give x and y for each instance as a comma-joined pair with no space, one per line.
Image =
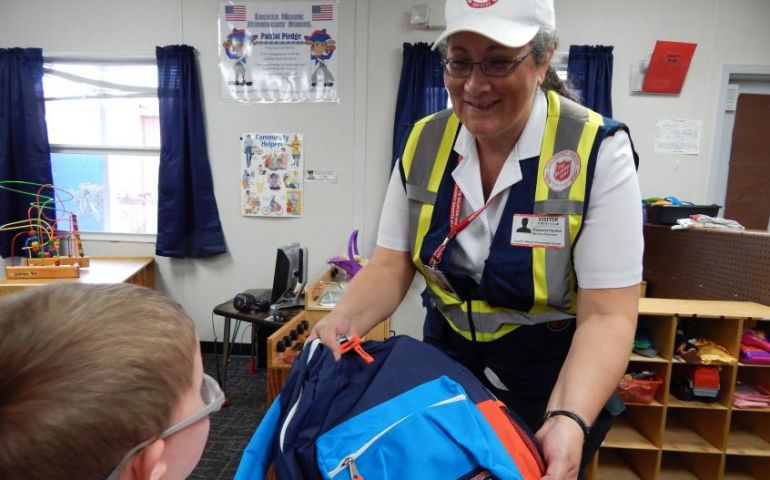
136,270
260,321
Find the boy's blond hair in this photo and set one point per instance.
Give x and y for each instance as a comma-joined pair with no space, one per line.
86,373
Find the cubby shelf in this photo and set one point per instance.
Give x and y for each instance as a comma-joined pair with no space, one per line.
679,437
745,442
672,438
612,466
625,435
641,358
746,468
674,402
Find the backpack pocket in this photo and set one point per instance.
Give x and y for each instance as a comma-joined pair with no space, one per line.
433,431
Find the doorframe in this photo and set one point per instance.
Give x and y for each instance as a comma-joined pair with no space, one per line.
719,166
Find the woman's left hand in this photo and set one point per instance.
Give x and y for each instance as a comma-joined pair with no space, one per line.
561,440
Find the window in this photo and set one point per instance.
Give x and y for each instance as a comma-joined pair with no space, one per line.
104,131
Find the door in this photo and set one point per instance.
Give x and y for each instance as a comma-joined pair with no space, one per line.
748,181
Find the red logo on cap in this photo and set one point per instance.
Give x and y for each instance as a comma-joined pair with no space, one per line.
480,3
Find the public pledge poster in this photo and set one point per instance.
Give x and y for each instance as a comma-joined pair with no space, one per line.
271,174
278,51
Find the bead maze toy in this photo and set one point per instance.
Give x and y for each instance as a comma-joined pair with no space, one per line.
48,250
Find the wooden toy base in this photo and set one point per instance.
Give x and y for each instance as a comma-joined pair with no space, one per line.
40,271
84,262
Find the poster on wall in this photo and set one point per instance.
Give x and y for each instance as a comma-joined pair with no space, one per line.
278,51
271,174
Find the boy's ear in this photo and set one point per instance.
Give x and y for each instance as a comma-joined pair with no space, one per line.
147,464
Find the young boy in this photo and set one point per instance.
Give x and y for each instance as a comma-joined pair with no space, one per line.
100,381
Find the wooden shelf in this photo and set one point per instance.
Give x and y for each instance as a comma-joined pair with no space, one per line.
678,361
744,442
653,403
635,357
683,465
676,472
746,468
752,365
613,467
678,437
758,410
703,308
624,435
732,474
674,402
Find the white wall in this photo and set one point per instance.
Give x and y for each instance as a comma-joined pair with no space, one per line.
354,137
727,32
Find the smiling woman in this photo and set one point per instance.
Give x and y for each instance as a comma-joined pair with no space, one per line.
521,209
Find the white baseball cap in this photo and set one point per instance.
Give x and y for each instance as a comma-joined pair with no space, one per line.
512,23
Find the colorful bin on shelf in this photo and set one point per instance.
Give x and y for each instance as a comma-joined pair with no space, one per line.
639,391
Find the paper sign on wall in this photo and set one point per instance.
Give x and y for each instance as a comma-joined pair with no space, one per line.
678,136
278,51
271,174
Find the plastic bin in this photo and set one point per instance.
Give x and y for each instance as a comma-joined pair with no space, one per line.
639,391
669,214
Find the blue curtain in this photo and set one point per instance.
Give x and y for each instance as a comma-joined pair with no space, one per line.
420,92
188,220
24,152
589,70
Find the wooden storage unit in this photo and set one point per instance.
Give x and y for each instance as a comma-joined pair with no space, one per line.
671,438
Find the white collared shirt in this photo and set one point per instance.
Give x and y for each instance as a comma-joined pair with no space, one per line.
609,251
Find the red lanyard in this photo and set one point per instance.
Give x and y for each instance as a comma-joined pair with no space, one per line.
455,224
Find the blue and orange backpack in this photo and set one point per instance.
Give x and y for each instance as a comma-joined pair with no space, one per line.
411,413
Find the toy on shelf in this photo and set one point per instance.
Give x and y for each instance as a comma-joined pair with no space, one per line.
755,348
350,264
697,382
48,251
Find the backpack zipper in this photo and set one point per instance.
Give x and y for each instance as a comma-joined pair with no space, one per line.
349,461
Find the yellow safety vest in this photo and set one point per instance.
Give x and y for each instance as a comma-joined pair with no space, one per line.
569,128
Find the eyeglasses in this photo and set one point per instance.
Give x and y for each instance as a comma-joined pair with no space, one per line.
492,67
213,399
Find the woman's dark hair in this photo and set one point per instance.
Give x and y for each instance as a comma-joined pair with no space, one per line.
546,41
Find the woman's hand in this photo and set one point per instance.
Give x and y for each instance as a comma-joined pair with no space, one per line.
372,296
328,328
561,440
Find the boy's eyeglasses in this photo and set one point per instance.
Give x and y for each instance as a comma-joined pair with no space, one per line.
492,67
213,399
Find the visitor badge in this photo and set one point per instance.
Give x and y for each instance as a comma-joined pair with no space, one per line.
438,277
545,231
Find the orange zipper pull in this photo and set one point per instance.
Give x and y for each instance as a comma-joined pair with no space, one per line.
354,343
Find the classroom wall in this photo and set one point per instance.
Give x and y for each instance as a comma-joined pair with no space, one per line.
354,137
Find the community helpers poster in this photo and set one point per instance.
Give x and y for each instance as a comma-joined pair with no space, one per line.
278,51
271,174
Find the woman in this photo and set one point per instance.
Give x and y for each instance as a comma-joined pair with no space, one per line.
545,320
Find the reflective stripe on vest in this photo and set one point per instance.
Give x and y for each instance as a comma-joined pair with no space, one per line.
569,126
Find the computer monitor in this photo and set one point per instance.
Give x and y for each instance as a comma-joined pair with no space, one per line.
290,271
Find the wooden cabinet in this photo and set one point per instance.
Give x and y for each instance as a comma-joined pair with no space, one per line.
671,438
